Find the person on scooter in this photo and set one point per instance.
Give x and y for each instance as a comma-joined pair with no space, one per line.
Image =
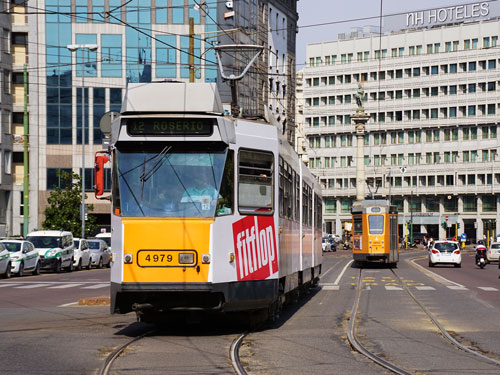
480,253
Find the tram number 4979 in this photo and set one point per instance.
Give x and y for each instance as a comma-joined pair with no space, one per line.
158,258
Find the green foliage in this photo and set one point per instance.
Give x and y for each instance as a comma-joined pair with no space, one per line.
63,211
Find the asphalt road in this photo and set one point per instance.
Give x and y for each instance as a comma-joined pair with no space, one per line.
44,331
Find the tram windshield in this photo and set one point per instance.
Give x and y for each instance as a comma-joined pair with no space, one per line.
173,182
376,223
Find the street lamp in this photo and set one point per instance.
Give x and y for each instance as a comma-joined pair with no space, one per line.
74,48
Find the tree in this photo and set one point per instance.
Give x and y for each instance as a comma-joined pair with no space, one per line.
63,211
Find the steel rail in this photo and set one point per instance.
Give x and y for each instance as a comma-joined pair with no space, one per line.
356,344
116,353
441,328
234,354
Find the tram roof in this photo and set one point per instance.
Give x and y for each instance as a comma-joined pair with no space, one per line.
172,97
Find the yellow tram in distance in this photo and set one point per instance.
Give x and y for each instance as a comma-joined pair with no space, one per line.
375,232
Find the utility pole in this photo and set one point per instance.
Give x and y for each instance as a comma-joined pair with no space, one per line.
191,50
26,207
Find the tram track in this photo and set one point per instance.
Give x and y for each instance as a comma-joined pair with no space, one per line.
115,354
362,349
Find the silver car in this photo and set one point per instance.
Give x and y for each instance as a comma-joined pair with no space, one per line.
100,253
493,253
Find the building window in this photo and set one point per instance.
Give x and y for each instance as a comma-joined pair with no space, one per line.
470,204
489,203
54,177
111,55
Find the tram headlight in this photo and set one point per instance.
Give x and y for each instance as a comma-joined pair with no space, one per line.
205,258
127,258
186,258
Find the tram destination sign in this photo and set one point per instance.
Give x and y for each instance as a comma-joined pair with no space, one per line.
170,126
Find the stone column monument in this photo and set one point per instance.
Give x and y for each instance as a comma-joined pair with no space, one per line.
360,119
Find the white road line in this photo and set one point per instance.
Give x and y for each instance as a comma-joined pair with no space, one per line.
392,287
425,287
9,284
454,287
433,275
64,286
336,282
68,304
97,286
330,287
32,286
488,288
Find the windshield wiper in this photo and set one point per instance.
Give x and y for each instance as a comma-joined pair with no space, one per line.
147,174
131,191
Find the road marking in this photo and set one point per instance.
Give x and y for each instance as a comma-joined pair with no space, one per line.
68,304
455,287
425,288
392,287
32,286
64,286
330,287
97,286
9,284
488,289
433,275
336,282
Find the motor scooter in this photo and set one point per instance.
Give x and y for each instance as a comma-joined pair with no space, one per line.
481,256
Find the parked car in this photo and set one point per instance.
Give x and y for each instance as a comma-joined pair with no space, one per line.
445,252
82,254
326,244
419,237
5,262
24,257
100,253
493,253
55,247
106,236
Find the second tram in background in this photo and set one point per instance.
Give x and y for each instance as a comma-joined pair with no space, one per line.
375,232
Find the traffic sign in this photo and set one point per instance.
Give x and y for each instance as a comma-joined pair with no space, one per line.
446,218
463,236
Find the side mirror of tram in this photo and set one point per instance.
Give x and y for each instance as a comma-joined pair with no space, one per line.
101,158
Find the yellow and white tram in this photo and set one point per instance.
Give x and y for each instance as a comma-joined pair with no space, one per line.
375,232
209,212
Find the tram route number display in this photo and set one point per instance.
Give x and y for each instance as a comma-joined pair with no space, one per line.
170,126
255,248
166,258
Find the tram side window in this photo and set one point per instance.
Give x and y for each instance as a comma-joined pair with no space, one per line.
225,204
255,182
297,197
357,227
376,223
319,211
306,205
115,193
286,190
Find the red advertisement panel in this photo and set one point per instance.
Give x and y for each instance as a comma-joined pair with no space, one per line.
255,248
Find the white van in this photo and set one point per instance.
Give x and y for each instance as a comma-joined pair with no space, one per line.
55,247
106,237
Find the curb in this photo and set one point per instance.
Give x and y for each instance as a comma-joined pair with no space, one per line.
103,301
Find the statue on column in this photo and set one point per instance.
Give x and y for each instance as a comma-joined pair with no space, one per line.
360,96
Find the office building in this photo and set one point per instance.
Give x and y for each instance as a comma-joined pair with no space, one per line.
138,41
433,96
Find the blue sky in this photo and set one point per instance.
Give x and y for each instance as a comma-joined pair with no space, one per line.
321,11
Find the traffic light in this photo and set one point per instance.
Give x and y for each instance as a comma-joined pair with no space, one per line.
458,225
444,225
